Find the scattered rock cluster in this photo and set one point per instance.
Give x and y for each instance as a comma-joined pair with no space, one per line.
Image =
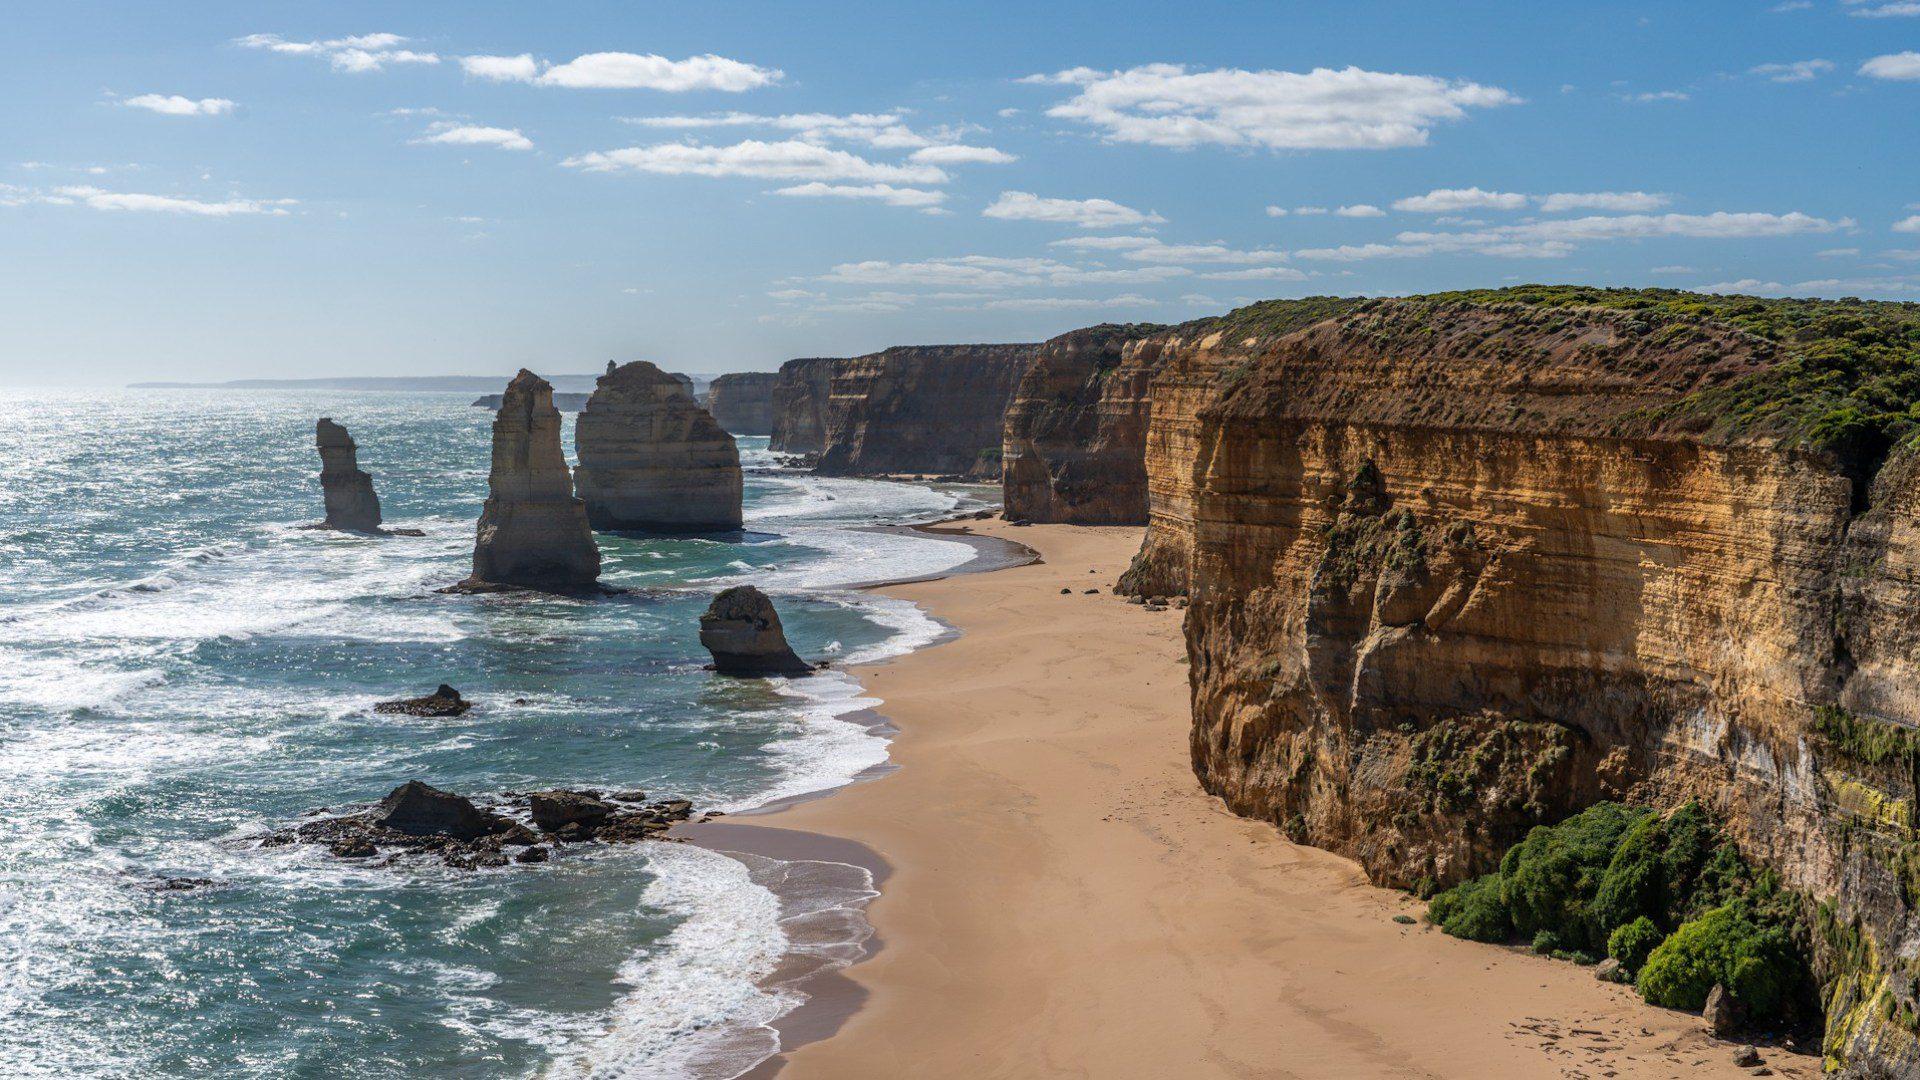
742,631
419,820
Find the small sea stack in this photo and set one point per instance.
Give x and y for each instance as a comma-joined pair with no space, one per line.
351,502
533,533
653,460
742,631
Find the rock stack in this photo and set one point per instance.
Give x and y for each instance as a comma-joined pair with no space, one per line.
533,533
742,402
742,631
653,460
348,491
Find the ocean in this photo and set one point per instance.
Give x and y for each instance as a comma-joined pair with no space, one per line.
183,667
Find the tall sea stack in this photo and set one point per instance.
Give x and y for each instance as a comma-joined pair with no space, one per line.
348,491
533,533
653,460
742,402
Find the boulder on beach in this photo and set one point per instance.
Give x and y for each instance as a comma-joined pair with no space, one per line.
533,533
742,631
444,701
346,489
420,809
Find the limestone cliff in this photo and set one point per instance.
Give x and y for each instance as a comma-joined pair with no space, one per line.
533,533
800,390
346,489
931,409
1463,566
651,459
1074,443
742,402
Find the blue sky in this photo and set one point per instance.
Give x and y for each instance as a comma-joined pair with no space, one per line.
219,190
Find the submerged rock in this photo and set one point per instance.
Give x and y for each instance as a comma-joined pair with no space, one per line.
653,460
742,631
347,490
444,701
533,533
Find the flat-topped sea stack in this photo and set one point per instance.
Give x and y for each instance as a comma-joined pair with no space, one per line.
742,631
799,405
742,401
348,491
653,460
925,410
533,533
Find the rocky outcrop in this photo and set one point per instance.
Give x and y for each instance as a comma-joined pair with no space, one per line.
444,701
742,402
533,533
347,490
1459,568
932,409
653,460
800,390
742,631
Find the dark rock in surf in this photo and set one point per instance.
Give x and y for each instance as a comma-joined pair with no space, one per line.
742,631
445,701
553,810
420,809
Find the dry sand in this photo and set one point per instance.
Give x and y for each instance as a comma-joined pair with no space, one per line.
1062,900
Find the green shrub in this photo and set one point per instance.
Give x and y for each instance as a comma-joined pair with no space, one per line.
1656,871
1473,910
1630,944
1553,875
1755,960
1546,943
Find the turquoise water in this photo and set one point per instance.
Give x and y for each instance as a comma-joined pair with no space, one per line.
183,667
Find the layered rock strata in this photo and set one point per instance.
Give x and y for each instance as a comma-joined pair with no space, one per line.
346,489
742,402
742,631
533,533
934,409
799,404
653,460
1459,569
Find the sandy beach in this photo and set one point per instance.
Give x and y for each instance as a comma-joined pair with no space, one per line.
1060,898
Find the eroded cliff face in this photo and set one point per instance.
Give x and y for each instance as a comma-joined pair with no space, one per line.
929,409
1454,573
742,402
651,459
800,390
1075,435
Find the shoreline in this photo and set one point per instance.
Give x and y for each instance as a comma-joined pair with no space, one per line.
1039,778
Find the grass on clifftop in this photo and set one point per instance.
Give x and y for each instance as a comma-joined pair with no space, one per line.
1665,895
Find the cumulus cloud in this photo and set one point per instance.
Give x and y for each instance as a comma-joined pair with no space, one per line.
1158,252
1796,71
1613,201
1895,9
447,133
787,160
955,154
1454,200
1104,243
1360,210
1901,66
626,71
177,105
1324,109
1086,213
1276,211
363,52
1908,225
886,193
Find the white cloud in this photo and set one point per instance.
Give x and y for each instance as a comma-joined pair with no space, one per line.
1276,211
100,199
1836,253
176,105
1257,273
787,160
886,193
1361,210
1613,201
1063,303
1104,243
1676,269
1895,9
884,131
1086,213
1560,237
1653,96
626,71
451,134
970,271
1158,252
1908,225
363,52
1744,287
1310,211
961,155
1901,65
1325,109
1796,71
1454,200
